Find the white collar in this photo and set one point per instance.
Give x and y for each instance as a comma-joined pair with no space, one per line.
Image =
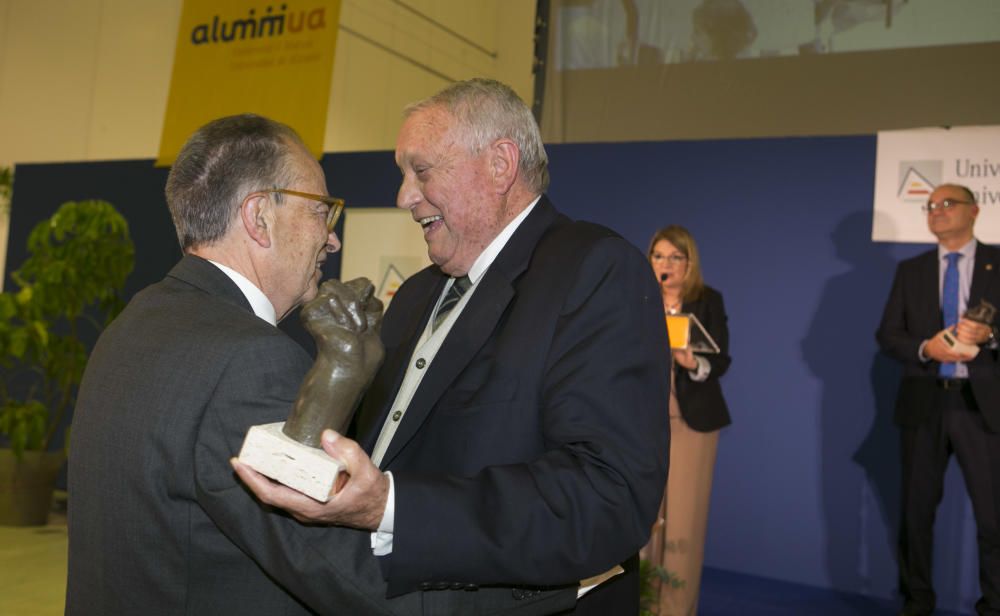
262,307
486,258
968,250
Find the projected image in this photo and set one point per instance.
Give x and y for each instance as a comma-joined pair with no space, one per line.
612,33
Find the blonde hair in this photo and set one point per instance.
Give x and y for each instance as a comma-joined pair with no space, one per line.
683,241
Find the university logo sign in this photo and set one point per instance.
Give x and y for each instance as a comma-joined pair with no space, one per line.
917,179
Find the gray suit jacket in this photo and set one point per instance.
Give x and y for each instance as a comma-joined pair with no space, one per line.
158,522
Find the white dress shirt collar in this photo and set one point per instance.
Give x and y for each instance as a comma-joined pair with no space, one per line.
262,306
968,250
483,262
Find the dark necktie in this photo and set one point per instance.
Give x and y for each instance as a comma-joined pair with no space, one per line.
455,293
949,304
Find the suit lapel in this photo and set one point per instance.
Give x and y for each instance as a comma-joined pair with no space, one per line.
200,273
400,344
929,279
985,274
474,325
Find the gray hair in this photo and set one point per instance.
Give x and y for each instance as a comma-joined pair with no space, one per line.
488,110
221,163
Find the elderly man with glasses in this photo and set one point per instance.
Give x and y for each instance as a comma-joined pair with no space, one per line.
159,523
949,399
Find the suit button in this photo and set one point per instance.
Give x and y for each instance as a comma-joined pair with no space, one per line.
397,415
441,586
424,586
471,587
517,593
421,363
457,586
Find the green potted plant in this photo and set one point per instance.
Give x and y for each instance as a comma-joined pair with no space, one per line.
68,289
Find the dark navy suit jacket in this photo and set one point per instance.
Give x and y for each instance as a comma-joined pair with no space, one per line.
913,314
534,451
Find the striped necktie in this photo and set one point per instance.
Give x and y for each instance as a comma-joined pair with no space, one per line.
455,293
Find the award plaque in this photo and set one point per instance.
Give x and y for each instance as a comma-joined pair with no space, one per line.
687,332
984,313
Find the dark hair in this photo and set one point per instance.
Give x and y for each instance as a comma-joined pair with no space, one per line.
488,110
683,241
221,163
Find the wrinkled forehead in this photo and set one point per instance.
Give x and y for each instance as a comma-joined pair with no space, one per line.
425,131
302,166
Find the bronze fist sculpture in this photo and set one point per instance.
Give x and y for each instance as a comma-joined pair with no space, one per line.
344,319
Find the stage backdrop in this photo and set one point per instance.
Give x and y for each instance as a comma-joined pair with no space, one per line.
806,485
910,164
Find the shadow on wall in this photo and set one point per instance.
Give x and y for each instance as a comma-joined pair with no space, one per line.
859,450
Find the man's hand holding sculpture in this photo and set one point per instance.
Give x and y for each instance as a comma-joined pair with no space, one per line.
306,453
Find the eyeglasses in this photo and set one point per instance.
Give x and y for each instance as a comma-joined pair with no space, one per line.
945,204
674,259
332,215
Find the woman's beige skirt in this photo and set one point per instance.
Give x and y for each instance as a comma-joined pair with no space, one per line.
677,543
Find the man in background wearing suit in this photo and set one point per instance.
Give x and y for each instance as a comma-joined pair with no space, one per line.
521,409
158,523
948,401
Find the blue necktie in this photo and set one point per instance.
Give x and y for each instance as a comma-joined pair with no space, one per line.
949,304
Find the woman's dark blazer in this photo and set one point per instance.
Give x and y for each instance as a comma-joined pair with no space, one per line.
702,404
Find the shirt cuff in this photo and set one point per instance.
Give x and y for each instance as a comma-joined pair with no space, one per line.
382,538
920,352
701,371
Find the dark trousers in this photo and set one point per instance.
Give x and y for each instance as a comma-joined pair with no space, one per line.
955,426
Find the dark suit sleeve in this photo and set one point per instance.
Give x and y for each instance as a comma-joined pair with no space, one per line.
713,317
894,334
589,500
332,570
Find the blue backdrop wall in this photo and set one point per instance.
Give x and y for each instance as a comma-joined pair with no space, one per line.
807,480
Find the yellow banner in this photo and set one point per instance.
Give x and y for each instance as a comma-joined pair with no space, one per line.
238,56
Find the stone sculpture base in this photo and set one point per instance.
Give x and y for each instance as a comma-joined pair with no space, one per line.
969,350
311,471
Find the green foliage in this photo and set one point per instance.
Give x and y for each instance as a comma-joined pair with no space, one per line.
25,423
651,578
6,188
72,281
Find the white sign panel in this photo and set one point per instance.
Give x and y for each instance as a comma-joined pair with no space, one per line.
911,163
384,245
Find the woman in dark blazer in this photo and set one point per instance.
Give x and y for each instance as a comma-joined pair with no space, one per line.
697,412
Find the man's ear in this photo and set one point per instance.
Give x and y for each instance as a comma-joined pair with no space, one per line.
256,214
504,159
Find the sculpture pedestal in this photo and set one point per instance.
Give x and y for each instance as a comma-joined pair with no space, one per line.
970,350
311,471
